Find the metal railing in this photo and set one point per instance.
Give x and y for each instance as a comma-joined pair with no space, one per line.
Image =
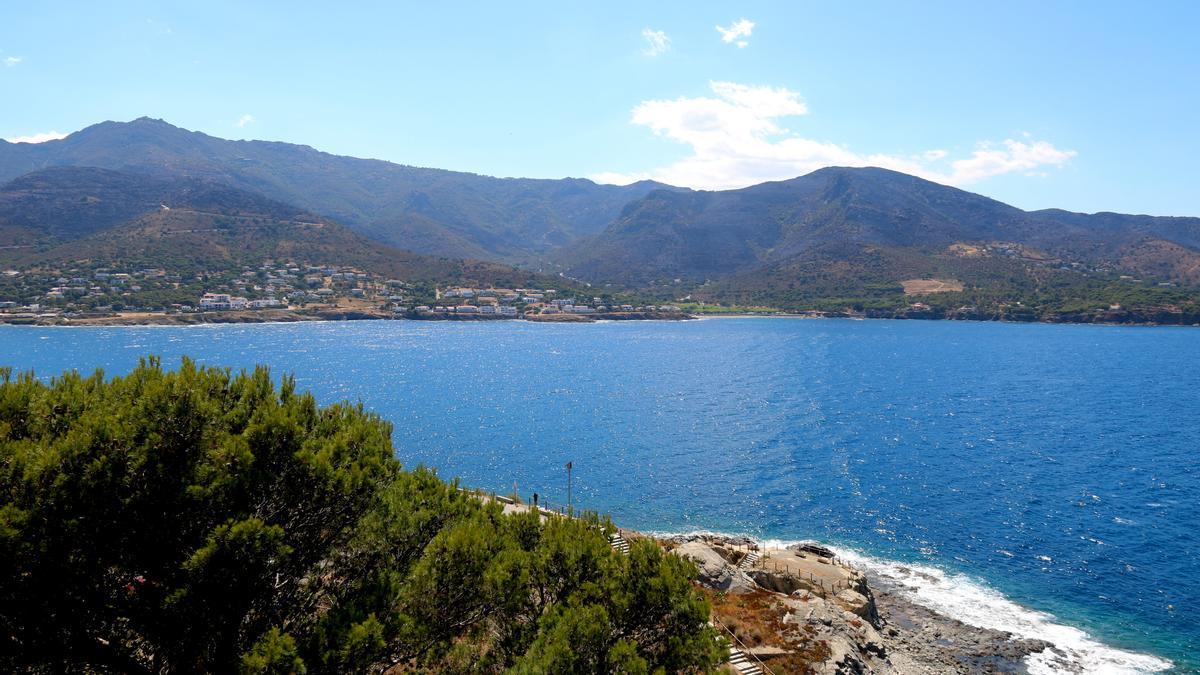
823,587
545,507
742,647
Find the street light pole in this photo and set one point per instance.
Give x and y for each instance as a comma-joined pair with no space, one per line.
569,487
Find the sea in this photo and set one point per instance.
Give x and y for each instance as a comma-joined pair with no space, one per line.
1040,479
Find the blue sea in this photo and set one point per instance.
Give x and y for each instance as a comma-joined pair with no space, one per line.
1044,479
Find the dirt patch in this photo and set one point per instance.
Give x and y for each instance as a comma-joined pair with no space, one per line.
966,251
759,620
927,286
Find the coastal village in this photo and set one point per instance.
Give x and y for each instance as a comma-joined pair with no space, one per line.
505,302
305,290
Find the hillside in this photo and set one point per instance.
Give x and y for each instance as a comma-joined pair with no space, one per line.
704,235
67,203
76,221
877,241
424,210
1162,248
188,240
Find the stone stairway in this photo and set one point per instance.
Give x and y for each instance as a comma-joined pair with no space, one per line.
748,561
618,542
743,663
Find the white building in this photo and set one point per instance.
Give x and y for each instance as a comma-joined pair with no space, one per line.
264,303
221,301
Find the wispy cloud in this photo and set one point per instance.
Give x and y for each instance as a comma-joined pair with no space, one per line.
160,27
11,61
736,139
742,28
37,138
657,42
244,120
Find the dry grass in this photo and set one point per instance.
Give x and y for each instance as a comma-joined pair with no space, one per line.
966,251
927,286
757,620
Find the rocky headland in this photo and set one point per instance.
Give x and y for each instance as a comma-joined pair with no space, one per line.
801,609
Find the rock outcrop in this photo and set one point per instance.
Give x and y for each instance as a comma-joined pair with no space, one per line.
827,618
716,571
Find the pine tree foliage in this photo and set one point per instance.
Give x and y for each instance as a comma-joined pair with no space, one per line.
198,520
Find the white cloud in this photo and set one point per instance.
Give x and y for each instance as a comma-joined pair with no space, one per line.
37,138
989,160
742,28
245,120
10,61
657,42
736,140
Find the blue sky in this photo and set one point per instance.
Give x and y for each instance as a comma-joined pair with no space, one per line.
1082,105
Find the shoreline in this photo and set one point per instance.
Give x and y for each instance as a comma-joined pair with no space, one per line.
974,602
932,619
952,319
299,316
884,616
280,316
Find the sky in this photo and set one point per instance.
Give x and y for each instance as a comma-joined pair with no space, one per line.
1089,106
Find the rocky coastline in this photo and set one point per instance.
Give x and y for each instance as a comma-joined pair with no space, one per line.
319,314
1097,317
801,609
1108,318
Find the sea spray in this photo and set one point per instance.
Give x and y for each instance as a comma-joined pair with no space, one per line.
962,598
973,602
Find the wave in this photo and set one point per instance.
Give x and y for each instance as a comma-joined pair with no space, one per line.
973,602
961,597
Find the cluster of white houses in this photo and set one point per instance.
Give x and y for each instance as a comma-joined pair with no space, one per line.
495,310
301,283
222,301
100,283
498,302
504,302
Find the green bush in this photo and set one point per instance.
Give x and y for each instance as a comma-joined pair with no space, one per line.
197,520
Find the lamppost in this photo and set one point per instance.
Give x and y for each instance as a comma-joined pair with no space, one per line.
569,488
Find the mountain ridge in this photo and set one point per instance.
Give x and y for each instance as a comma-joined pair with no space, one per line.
429,210
109,218
699,236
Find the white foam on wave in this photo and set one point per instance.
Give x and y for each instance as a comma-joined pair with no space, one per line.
973,602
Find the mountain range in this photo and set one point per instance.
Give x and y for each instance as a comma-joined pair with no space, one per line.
707,235
68,216
432,211
834,235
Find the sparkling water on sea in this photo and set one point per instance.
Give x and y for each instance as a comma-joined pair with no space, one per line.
1038,478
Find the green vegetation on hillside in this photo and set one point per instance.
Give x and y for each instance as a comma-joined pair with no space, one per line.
867,280
201,521
64,230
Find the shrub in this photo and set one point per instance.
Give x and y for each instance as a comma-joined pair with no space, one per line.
196,520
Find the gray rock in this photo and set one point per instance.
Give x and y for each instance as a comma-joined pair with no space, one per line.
715,571
812,547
